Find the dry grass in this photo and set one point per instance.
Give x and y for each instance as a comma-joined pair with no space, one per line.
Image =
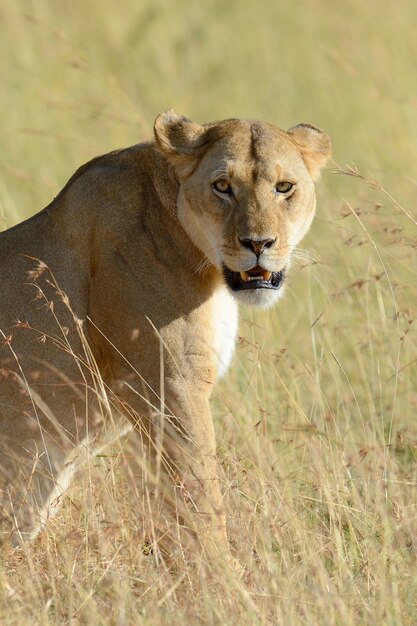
316,420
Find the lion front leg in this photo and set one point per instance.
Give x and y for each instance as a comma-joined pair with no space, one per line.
186,446
182,468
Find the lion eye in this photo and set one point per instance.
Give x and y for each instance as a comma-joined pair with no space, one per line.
222,186
283,187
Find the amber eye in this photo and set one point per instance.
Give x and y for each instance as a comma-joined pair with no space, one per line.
283,187
222,186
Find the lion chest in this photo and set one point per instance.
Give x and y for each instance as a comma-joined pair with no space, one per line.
224,323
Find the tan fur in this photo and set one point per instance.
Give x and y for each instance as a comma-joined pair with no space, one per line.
133,248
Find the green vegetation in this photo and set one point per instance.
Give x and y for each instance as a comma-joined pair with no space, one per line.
316,420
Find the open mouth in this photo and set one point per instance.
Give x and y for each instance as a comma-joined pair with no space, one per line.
256,278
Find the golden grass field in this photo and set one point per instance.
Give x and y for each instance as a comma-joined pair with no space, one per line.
316,421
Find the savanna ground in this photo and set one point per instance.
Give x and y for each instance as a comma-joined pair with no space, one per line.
316,419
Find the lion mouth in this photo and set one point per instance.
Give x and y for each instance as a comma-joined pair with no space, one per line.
255,278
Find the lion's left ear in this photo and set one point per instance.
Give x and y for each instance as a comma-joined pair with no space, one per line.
315,146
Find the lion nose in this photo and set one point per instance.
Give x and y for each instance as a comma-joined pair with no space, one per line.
257,245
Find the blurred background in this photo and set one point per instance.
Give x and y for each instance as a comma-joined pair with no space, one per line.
320,403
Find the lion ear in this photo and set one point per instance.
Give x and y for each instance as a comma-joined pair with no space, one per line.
315,146
177,135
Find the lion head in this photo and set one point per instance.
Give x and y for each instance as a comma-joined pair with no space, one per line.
246,195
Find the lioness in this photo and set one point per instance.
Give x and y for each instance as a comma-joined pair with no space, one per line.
126,287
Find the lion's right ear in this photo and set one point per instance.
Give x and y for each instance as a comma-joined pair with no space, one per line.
177,135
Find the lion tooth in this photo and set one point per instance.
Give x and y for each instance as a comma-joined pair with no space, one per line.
244,276
267,275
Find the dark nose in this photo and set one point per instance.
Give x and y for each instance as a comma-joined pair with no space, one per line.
257,245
